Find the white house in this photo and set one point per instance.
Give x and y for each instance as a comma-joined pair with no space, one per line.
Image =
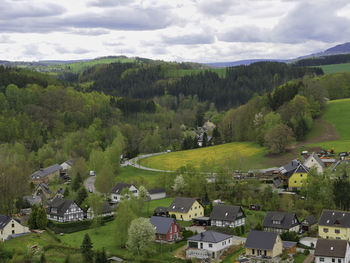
208,244
116,192
63,210
227,215
313,161
67,165
157,193
332,251
10,228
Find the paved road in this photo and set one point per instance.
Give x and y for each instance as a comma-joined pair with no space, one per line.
89,183
135,163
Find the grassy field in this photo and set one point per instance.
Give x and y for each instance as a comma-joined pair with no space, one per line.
299,258
240,155
338,114
233,256
329,69
131,174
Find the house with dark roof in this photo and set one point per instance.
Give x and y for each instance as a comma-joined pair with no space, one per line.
308,223
185,209
106,210
167,229
46,174
67,165
43,190
314,161
208,244
32,200
263,244
156,193
227,215
330,251
293,175
10,228
64,210
280,222
117,190
334,225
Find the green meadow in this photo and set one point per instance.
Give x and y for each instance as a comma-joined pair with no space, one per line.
335,68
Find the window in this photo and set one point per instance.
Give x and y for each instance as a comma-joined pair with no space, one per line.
325,230
301,175
253,251
333,259
322,259
13,231
337,231
295,182
210,245
339,260
13,225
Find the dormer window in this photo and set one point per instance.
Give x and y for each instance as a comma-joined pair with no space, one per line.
333,214
332,248
276,222
226,214
328,221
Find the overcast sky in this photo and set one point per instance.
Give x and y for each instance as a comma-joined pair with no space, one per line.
172,30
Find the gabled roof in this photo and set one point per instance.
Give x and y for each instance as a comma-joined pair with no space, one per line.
162,224
46,171
335,218
331,248
225,212
286,220
292,167
316,158
261,240
118,188
45,188
210,236
32,200
161,209
156,191
181,204
310,220
60,204
4,220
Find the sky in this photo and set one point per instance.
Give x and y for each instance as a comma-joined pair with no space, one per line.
171,30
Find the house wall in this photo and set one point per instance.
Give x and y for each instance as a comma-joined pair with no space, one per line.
310,163
12,228
174,233
117,197
276,251
296,180
212,247
223,223
195,211
65,166
73,213
280,230
330,232
157,196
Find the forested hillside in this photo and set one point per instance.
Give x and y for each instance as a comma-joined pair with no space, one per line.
324,60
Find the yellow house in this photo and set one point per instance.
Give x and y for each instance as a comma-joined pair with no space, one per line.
263,244
334,225
293,175
10,227
185,209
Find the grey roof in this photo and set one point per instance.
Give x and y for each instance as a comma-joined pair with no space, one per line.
225,212
106,208
60,204
335,218
118,188
156,191
210,236
331,248
292,167
286,220
161,209
317,159
4,220
288,244
261,240
162,224
69,162
328,160
46,171
45,188
32,200
310,220
181,204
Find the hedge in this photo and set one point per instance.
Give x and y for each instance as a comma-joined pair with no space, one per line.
76,226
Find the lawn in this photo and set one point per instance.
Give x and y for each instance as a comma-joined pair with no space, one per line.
239,155
151,205
233,256
329,69
299,258
337,114
131,174
253,218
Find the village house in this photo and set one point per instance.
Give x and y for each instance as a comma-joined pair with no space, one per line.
314,161
227,215
67,165
263,244
334,225
332,251
10,228
293,175
185,208
167,229
161,211
44,175
63,210
208,244
43,191
280,222
309,223
156,193
116,192
105,211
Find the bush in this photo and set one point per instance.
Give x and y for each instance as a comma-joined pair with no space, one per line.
306,252
187,233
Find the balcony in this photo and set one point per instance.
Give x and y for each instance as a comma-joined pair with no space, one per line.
197,253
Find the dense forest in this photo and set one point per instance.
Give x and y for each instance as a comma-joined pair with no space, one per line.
324,60
149,81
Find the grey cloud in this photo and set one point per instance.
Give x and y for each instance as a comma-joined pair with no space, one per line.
109,3
306,22
189,39
32,51
63,50
91,32
214,8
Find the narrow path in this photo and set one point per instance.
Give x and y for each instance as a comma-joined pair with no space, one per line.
89,184
309,258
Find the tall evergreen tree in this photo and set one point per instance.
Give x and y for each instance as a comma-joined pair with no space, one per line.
86,249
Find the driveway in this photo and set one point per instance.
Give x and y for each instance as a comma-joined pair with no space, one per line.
89,183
